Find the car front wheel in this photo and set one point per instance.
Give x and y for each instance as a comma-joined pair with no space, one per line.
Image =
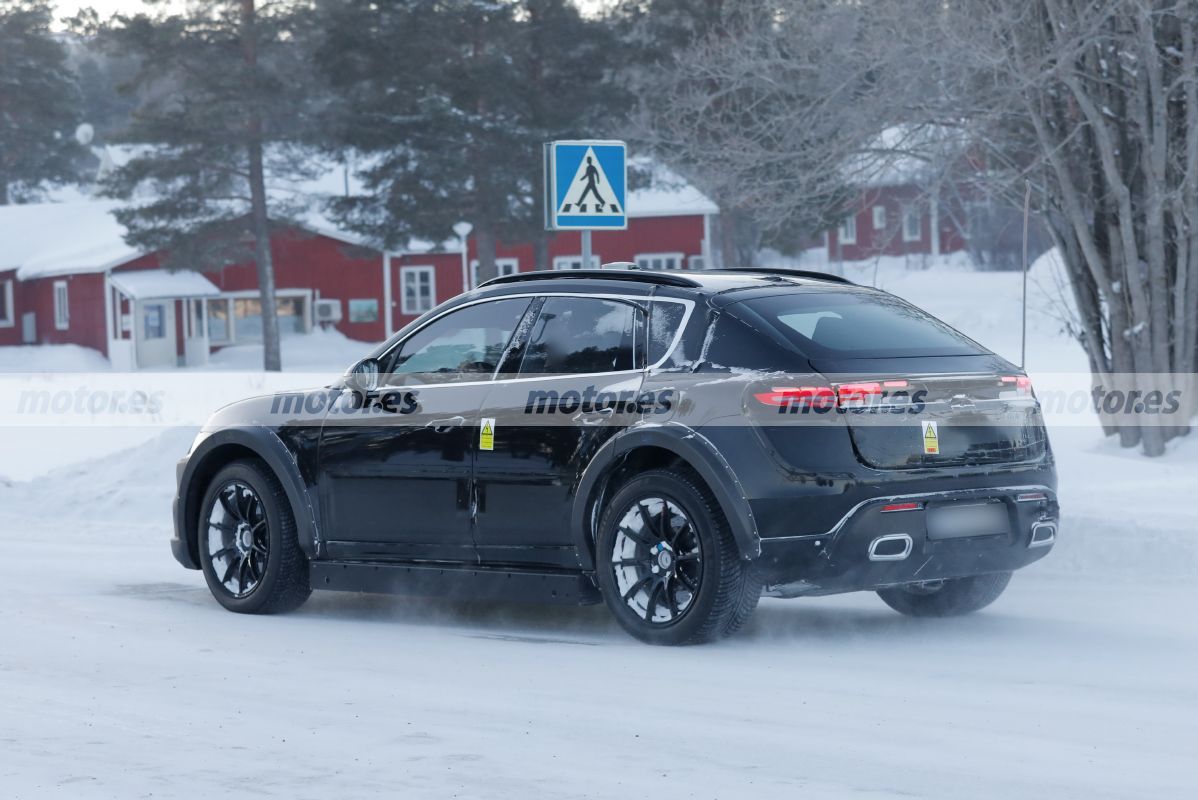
667,564
947,598
247,542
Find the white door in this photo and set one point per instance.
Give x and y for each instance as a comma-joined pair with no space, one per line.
154,329
195,334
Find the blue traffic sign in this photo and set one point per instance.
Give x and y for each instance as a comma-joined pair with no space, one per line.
585,184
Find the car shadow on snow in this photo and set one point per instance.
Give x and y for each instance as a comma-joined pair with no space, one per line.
826,619
844,618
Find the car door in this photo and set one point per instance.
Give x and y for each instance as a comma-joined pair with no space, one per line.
566,390
395,477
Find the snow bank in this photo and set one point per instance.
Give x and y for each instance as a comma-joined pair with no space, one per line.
319,350
52,358
118,494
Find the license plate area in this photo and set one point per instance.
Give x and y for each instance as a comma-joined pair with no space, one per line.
968,519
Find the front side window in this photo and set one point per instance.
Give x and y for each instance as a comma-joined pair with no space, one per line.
464,345
62,308
857,325
576,335
419,288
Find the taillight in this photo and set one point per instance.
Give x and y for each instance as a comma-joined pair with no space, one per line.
844,395
890,509
1022,383
798,397
857,394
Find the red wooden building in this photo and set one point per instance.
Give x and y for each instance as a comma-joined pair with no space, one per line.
67,277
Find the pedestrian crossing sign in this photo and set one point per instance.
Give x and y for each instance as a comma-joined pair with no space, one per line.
585,185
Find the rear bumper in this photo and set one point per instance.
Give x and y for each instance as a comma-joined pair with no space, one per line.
870,548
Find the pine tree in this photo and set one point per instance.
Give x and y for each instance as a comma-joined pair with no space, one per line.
453,100
567,62
39,102
226,111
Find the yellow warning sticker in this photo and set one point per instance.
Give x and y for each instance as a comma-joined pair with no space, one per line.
931,439
486,434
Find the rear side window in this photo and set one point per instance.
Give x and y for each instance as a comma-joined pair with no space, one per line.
733,345
574,335
664,321
857,325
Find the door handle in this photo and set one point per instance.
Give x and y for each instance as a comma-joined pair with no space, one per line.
595,416
443,425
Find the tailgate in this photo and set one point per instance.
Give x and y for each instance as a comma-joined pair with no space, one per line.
942,420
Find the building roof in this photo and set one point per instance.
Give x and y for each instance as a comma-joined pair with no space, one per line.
80,235
148,284
902,155
44,239
667,195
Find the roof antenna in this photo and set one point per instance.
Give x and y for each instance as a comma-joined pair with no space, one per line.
1027,205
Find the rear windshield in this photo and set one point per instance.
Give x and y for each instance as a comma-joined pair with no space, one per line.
857,325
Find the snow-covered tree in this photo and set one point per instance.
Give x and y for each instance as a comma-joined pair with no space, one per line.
39,102
226,107
1094,102
452,100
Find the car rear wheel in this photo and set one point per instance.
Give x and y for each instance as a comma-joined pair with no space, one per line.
668,566
948,598
247,542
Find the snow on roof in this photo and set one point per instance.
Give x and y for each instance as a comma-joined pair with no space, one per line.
667,195
902,155
147,284
81,235
44,239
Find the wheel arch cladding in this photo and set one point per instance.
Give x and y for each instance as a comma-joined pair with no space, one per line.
650,447
227,446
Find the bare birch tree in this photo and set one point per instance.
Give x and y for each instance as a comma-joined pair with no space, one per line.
1094,101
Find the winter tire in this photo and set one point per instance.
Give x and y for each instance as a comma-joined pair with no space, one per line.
667,564
949,598
247,542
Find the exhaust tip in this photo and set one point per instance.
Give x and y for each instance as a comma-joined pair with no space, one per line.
1043,534
891,547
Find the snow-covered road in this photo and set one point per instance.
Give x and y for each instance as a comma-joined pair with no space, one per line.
120,677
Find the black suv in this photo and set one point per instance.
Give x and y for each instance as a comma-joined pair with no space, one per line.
673,444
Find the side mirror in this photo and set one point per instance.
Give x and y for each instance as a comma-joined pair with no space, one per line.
363,376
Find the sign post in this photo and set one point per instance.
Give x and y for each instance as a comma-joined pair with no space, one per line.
586,184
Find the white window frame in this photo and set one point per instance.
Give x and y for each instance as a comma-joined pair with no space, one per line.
644,260
414,270
569,262
503,266
847,232
8,313
911,212
62,305
879,215
696,262
230,328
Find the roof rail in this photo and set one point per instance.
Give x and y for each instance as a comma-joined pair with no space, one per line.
793,273
639,276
